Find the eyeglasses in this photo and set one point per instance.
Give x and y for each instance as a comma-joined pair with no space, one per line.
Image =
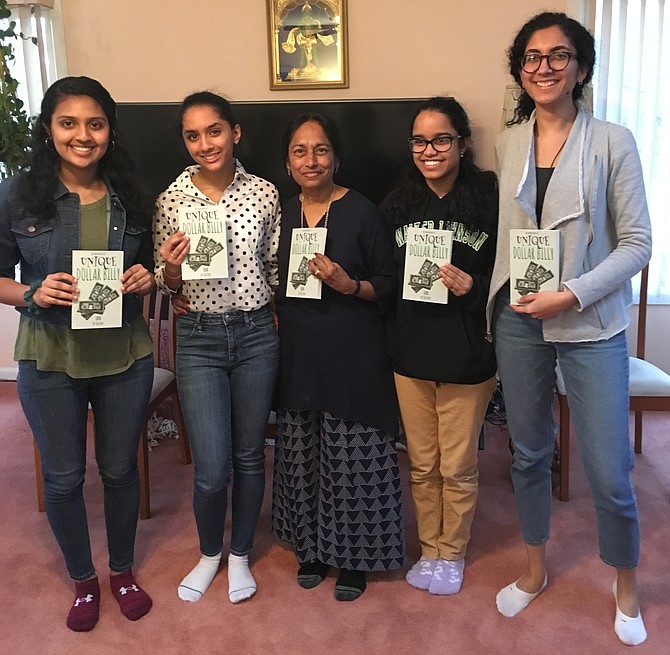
557,61
440,143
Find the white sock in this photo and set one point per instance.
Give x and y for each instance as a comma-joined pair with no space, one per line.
195,584
511,600
241,584
629,629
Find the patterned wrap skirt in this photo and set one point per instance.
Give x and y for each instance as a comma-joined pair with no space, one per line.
336,492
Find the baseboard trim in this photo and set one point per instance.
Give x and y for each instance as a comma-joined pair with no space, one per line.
9,373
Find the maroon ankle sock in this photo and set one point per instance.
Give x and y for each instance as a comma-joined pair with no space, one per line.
85,610
132,599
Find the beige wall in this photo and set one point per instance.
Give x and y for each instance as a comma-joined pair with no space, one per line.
161,51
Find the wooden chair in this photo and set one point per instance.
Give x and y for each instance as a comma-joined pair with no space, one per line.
164,387
649,391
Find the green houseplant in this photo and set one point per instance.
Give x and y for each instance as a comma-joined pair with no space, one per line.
14,120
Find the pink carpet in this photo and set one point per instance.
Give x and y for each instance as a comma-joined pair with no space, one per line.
574,615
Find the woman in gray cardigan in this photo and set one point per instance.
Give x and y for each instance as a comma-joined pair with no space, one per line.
562,170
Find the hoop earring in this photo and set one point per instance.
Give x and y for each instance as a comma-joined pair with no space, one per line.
48,141
112,145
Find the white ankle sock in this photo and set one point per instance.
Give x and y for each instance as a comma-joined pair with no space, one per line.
511,600
241,584
195,584
629,629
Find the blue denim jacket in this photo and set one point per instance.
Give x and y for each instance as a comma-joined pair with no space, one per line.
44,246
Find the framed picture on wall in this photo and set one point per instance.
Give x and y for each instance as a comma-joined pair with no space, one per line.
308,44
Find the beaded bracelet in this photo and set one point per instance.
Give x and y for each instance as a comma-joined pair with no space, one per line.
33,307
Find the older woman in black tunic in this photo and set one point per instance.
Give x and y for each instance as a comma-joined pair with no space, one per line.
336,493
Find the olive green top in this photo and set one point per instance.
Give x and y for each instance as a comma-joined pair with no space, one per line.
84,353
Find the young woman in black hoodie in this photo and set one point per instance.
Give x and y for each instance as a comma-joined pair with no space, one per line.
444,366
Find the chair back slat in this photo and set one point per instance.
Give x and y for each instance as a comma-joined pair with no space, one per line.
171,337
152,309
642,313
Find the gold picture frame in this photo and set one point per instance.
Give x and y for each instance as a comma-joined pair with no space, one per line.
308,44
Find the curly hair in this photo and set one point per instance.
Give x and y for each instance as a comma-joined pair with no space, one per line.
39,179
579,36
470,188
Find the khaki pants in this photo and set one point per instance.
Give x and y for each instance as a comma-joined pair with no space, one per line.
442,423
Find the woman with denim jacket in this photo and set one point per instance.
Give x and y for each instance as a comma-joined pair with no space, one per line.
78,193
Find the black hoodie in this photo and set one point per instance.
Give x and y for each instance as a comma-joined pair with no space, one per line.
446,343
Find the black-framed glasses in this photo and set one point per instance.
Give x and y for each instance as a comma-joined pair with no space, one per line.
440,143
557,61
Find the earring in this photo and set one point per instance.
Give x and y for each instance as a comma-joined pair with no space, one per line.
48,142
288,172
111,146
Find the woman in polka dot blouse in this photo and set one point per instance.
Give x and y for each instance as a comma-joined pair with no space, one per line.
227,344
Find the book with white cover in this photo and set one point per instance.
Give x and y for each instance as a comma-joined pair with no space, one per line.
305,241
425,251
98,274
534,262
208,256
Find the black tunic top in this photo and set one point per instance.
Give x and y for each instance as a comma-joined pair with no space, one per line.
447,343
333,350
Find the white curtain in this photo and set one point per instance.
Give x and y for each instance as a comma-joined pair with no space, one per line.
34,66
632,87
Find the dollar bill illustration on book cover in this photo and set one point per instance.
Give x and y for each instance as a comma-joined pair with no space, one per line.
425,251
98,274
534,262
208,257
305,241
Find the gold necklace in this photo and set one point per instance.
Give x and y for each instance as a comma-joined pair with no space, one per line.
302,213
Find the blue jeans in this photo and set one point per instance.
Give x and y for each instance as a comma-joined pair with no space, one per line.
596,380
56,407
226,372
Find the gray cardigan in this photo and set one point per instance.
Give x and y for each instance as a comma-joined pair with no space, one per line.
596,199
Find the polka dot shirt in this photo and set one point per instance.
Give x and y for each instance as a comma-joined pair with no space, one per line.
252,223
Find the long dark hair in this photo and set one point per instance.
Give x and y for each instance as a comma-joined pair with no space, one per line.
328,125
471,186
40,180
579,36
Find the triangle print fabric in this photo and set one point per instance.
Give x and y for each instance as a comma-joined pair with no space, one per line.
336,492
